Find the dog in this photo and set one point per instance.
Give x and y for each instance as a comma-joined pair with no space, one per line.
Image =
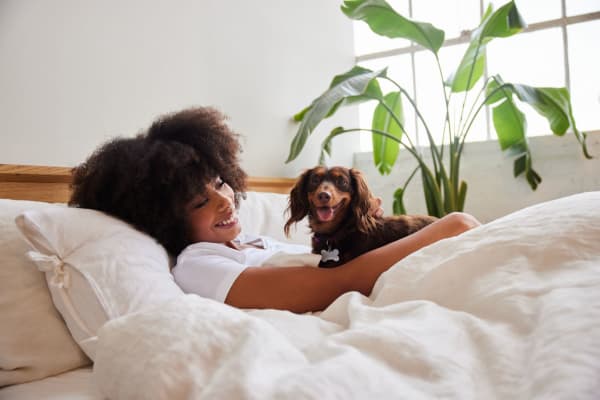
340,212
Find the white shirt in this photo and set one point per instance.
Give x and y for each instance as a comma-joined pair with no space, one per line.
209,269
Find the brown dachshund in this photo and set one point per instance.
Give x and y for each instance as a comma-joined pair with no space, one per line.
338,203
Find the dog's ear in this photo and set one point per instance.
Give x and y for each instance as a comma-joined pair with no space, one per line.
361,203
298,206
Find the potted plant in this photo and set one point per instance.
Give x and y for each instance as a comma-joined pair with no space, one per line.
440,176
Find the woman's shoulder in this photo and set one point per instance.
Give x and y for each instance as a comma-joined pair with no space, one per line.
203,249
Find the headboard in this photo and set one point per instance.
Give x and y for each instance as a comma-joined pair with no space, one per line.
51,184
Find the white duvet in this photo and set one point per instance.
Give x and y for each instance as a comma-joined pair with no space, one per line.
510,310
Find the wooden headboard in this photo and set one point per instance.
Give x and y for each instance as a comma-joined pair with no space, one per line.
41,183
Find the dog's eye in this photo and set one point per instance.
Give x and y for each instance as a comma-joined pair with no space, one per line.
314,181
341,182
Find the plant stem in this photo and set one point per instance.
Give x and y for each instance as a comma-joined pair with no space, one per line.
441,176
468,119
489,96
447,101
435,155
410,177
471,70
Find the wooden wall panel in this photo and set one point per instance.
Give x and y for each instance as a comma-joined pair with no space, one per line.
29,182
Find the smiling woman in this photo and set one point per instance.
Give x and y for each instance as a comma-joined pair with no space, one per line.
177,182
211,215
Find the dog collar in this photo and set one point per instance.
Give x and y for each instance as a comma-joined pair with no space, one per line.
328,254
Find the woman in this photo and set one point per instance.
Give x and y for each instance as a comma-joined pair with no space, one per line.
179,182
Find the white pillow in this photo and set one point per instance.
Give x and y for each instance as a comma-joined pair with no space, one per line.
34,340
264,214
97,267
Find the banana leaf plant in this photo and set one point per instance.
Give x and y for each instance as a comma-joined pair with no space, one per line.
440,177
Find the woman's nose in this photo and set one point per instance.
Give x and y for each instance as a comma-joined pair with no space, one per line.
224,202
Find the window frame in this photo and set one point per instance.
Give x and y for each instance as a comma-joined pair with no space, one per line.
563,23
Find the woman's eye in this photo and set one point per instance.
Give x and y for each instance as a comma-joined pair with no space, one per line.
219,183
200,204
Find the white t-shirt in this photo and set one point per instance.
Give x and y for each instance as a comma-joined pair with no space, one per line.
209,269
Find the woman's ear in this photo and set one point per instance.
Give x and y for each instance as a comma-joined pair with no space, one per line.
298,206
361,202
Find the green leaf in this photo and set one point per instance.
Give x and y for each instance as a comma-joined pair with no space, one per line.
469,70
533,178
373,91
506,21
523,164
300,115
323,105
326,145
462,195
509,122
510,126
398,205
554,104
520,165
385,149
385,21
431,190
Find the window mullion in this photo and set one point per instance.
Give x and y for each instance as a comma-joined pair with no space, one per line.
565,45
414,82
488,120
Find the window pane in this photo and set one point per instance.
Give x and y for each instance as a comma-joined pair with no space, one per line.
585,79
399,70
535,10
534,59
576,7
365,41
452,16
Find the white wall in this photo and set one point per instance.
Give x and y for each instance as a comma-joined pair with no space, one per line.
492,189
74,73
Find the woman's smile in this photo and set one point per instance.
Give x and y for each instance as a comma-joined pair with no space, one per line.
228,223
212,216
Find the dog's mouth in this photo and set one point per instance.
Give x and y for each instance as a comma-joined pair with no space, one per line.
326,214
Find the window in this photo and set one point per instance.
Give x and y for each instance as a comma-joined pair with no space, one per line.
559,47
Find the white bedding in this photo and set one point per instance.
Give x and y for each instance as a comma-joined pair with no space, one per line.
510,310
71,385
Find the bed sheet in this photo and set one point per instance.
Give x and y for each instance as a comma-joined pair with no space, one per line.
71,385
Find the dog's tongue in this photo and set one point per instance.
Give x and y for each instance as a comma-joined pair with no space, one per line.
325,213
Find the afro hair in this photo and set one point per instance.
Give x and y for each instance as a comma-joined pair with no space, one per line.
147,180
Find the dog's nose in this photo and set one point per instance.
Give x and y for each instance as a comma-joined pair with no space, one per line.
324,196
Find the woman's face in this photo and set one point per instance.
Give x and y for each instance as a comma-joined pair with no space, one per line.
212,216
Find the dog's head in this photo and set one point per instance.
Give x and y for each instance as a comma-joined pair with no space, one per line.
329,196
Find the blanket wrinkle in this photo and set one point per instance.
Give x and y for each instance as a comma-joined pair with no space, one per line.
510,310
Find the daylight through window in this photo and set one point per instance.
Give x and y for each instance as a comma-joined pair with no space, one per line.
558,48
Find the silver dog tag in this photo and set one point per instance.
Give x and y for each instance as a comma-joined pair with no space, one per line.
330,255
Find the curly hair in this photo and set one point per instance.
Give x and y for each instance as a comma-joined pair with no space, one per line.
148,180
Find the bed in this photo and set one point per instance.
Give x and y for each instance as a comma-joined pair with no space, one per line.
510,310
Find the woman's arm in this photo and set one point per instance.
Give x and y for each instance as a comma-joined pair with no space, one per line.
303,289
